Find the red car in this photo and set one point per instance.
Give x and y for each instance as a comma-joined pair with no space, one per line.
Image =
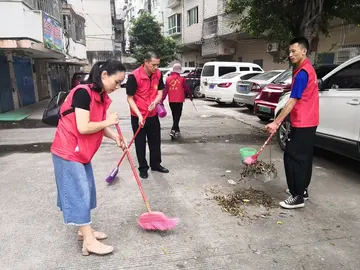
268,98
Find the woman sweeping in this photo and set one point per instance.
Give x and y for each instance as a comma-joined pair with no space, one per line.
176,88
80,131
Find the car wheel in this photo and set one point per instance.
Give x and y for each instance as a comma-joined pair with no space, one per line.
250,107
197,93
239,104
264,118
282,134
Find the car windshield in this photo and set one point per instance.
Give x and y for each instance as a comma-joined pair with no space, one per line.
283,77
266,76
208,71
230,75
321,71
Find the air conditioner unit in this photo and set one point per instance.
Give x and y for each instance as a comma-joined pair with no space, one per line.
344,54
272,47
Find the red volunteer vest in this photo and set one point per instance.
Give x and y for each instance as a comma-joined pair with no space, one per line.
146,91
176,92
306,110
68,143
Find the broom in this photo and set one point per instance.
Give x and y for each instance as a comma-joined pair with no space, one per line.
253,159
115,171
150,220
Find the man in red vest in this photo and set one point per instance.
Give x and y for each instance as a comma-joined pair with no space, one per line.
303,107
176,88
144,90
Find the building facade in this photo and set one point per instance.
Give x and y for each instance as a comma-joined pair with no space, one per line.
202,30
32,42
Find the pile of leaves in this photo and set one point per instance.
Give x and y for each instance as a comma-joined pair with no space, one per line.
236,202
260,167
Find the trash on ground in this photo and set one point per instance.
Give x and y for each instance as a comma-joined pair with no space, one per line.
231,182
235,203
279,223
165,251
260,171
228,171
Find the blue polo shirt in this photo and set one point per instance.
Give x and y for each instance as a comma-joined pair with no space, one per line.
299,85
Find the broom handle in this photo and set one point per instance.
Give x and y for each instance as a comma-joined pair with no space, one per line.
194,105
134,170
266,142
132,140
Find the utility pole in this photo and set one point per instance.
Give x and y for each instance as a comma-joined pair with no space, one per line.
149,6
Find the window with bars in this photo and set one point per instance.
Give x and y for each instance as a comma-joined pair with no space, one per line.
210,26
193,16
174,24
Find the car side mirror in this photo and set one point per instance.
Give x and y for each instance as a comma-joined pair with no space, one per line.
321,84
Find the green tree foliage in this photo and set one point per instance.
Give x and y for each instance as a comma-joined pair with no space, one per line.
146,36
281,20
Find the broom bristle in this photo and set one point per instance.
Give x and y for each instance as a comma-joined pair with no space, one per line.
157,221
112,175
250,160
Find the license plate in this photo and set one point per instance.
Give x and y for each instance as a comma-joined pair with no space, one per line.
211,86
264,109
243,88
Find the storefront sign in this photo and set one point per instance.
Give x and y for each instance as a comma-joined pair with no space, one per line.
52,33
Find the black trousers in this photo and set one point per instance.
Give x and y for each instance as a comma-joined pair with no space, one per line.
151,132
176,110
298,159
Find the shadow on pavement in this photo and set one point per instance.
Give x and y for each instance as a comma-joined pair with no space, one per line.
24,148
27,123
340,162
235,138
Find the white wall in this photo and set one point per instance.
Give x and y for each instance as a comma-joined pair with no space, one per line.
76,50
98,26
192,33
210,8
17,20
161,13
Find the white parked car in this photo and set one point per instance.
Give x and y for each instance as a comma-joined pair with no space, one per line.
167,71
339,128
247,90
213,70
223,89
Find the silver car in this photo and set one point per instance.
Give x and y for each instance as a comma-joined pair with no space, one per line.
246,91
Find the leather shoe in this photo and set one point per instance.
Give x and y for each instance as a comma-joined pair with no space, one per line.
160,169
144,175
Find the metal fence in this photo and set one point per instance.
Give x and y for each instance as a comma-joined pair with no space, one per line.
51,7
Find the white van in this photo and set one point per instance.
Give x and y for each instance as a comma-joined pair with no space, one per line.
213,70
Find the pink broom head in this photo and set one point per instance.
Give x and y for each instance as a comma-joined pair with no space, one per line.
112,175
250,160
157,221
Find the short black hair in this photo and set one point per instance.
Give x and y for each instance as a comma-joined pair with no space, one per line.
151,54
302,41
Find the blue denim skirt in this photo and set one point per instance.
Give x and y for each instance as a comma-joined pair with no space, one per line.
76,190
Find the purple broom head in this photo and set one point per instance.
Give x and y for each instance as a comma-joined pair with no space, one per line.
112,175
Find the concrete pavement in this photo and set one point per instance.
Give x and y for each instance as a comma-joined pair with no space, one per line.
323,235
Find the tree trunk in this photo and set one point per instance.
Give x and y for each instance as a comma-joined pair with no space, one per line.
310,24
149,6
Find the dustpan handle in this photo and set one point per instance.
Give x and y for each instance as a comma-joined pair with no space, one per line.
266,142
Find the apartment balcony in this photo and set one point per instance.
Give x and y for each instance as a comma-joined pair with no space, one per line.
173,3
32,31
